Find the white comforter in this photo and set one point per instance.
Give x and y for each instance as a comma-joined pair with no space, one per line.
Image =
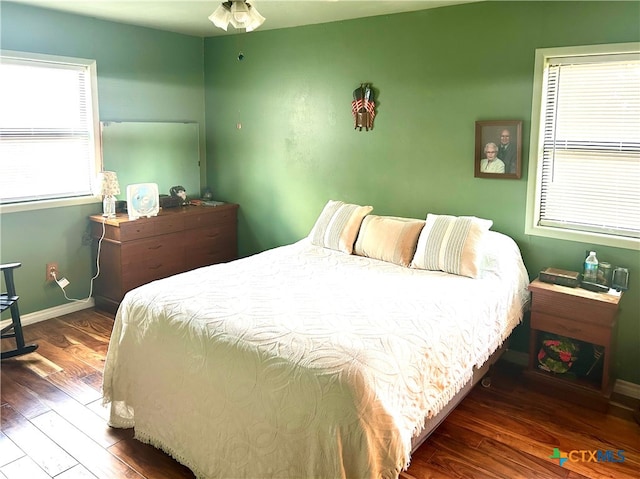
301,361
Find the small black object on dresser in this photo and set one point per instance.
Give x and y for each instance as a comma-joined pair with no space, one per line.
560,276
167,201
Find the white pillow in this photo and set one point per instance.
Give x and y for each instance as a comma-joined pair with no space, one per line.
338,225
452,244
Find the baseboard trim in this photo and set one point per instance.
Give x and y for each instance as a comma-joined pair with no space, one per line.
624,388
50,313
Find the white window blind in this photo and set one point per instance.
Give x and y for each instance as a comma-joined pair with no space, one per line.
48,135
589,179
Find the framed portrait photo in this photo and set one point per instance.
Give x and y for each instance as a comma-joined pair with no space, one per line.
498,149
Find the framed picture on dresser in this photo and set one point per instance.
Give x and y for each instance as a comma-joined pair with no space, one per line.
498,149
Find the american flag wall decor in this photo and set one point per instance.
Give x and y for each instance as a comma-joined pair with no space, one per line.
363,107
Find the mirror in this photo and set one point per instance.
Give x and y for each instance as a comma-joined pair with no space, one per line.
165,153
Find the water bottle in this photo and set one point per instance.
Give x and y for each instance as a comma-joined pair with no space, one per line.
590,268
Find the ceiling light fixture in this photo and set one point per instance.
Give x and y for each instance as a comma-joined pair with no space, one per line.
238,13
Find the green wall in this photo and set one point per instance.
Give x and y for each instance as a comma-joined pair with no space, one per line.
435,73
143,75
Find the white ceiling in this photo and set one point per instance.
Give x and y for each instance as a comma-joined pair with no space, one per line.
191,16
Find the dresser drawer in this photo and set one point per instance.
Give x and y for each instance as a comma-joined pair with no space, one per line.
211,216
132,230
211,234
133,278
135,252
215,244
169,224
204,253
588,332
152,258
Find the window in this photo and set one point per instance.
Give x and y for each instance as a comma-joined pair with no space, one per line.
584,166
49,137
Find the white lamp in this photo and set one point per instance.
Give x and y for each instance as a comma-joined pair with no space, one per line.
238,13
109,187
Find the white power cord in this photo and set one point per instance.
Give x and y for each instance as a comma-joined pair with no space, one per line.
63,282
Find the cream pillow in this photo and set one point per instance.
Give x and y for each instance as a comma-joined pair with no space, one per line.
388,238
451,244
337,226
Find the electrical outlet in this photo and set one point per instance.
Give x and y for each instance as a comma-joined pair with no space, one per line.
51,268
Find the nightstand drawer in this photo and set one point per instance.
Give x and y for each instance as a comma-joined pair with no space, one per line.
574,308
555,305
589,332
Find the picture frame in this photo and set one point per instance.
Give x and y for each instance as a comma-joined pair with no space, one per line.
505,137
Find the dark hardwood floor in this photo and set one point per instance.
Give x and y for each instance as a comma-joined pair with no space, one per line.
54,424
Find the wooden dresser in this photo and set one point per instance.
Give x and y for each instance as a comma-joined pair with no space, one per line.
136,252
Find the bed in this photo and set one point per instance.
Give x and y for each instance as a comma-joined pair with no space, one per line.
330,357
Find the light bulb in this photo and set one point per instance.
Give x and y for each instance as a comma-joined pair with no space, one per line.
240,12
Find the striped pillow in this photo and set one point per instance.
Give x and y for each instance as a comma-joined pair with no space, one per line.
388,238
451,244
337,226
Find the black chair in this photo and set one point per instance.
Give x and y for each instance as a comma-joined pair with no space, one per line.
9,300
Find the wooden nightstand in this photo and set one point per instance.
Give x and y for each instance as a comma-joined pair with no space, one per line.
578,314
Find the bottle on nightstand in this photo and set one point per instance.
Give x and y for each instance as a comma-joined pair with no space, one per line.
591,268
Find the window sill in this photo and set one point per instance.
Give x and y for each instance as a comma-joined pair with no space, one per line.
45,204
584,237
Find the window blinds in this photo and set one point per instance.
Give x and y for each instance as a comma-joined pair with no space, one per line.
46,130
590,172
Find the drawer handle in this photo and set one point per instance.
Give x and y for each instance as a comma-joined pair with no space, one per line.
573,330
155,247
158,266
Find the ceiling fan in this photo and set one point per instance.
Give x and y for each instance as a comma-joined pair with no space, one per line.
238,13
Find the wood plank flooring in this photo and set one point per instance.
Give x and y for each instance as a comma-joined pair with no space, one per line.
54,425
